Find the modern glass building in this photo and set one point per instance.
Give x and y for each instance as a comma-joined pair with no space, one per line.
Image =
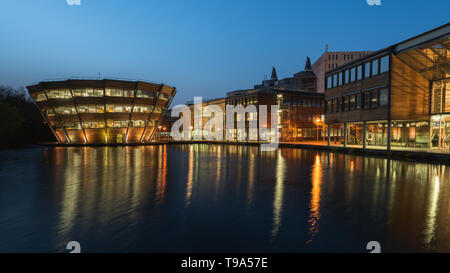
102,111
395,98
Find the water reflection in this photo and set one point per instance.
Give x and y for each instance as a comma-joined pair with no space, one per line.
278,196
314,207
220,198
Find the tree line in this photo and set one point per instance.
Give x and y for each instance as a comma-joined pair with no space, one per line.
22,124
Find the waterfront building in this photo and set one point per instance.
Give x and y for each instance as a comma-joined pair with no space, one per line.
102,111
395,98
298,111
331,60
197,131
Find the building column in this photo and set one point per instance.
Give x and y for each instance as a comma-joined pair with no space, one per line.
345,134
389,136
364,135
328,134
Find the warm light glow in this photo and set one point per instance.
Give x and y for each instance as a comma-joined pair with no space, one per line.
314,213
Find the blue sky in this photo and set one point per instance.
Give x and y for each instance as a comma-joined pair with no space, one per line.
204,48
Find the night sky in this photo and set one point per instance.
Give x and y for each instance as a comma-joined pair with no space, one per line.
204,48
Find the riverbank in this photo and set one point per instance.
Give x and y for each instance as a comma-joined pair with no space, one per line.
396,153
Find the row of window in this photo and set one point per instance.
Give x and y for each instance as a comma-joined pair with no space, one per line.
296,101
365,100
359,72
243,101
89,92
109,123
96,109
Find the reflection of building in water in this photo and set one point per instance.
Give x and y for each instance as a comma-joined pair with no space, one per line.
99,183
278,196
314,206
190,176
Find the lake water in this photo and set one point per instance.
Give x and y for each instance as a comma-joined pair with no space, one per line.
219,198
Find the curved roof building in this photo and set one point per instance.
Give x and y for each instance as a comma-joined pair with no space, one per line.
102,111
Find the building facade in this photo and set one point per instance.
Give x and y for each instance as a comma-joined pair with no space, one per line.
331,60
395,98
297,117
102,111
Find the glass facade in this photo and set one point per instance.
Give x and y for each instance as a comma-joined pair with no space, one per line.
354,134
410,134
376,134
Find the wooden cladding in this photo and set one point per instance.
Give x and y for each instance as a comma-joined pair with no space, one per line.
410,92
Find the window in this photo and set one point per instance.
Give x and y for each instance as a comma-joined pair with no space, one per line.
374,99
88,92
40,97
367,100
164,97
353,74
340,79
367,70
358,101
96,109
383,97
352,103
359,72
329,106
93,124
144,94
138,123
117,123
65,110
384,64
335,80
374,67
142,109
329,83
59,94
347,76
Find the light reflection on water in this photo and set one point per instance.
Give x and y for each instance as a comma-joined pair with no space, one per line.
219,198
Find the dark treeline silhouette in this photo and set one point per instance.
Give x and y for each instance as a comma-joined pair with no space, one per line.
22,124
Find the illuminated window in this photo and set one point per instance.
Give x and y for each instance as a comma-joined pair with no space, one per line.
93,124
59,94
374,99
142,109
164,97
88,92
112,108
40,97
144,94
138,123
65,110
117,123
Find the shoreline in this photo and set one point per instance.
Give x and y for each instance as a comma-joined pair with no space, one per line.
407,155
